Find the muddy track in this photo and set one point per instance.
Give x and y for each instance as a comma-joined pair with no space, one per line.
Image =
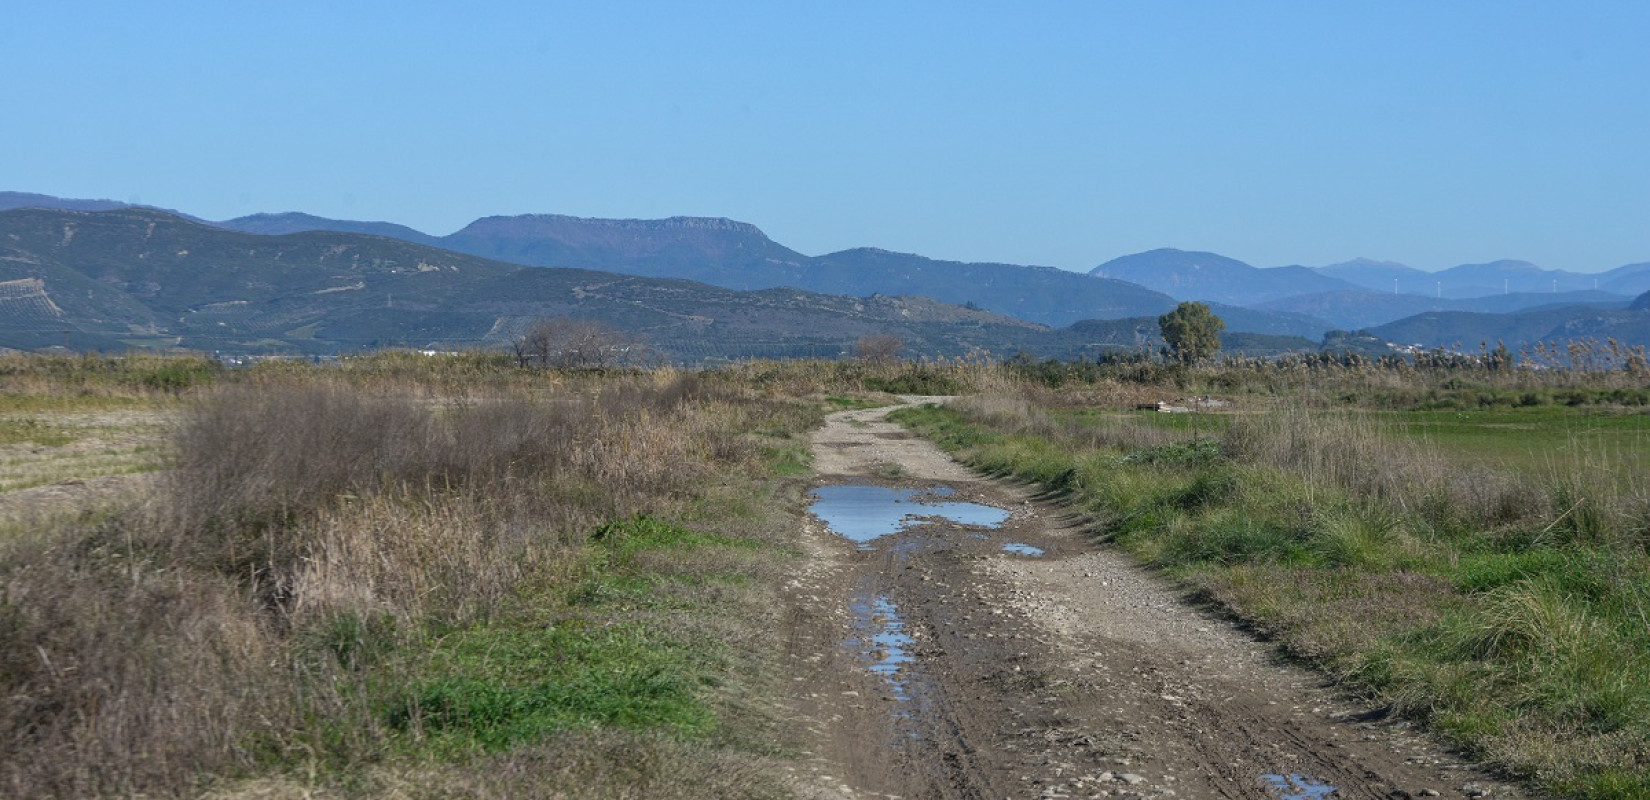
935,663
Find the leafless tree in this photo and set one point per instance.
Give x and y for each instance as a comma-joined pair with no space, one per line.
879,348
565,342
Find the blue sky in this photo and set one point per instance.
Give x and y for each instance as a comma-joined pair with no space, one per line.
1431,133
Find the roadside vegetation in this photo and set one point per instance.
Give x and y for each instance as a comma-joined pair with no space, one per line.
1467,542
473,576
412,577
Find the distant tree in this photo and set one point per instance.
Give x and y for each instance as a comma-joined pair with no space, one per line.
1191,331
880,348
569,343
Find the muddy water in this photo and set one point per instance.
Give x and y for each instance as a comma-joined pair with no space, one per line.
865,514
937,654
879,636
1295,787
1022,549
897,523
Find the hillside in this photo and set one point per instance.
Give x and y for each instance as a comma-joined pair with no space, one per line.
138,277
11,200
1553,325
739,255
1632,279
1042,294
1210,277
294,222
1351,310
1280,301
1495,278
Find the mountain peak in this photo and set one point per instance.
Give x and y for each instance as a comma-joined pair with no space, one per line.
285,222
565,222
1197,275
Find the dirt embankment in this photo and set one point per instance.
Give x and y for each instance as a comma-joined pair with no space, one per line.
937,663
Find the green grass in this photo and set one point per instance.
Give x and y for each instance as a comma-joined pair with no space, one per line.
1538,440
20,430
1527,644
38,402
601,655
503,685
838,402
621,541
1197,422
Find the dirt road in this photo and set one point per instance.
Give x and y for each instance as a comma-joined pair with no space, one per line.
958,660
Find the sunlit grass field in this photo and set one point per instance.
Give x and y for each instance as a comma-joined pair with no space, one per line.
1609,443
1544,440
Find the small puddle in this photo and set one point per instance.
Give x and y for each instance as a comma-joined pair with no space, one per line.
866,513
1020,548
880,634
1296,787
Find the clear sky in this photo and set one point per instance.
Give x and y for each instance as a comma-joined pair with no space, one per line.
1059,133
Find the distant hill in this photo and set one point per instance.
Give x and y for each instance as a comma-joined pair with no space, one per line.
294,222
1553,325
1351,310
1632,279
1092,338
1491,279
739,255
136,277
1387,277
735,255
10,200
1042,294
1270,323
1505,276
1281,301
1190,275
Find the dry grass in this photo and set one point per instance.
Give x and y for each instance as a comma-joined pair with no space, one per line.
1506,608
53,446
326,538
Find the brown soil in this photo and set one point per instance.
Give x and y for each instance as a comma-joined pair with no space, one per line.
1073,674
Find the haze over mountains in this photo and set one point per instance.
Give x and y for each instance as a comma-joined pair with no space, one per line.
137,277
1465,303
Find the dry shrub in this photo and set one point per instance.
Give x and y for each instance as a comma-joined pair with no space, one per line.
124,677
416,560
179,639
256,460
1356,454
1006,412
252,452
1017,414
611,765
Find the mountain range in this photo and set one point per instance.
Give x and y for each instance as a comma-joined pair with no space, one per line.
1291,300
139,277
738,255
1464,303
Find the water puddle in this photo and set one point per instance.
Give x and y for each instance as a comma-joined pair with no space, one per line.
1296,787
1022,549
866,513
880,634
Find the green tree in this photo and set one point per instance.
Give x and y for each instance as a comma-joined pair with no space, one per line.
1192,332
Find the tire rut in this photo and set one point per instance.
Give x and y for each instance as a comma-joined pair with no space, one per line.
1069,674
